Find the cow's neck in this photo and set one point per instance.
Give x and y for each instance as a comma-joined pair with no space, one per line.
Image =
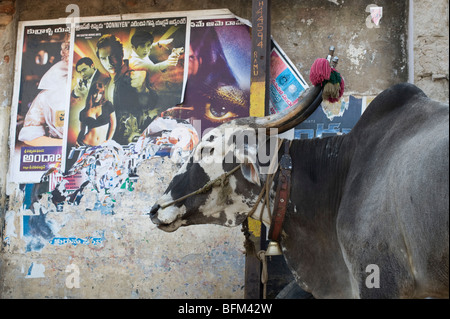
319,172
317,167
310,241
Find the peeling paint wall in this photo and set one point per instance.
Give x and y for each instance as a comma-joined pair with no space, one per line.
90,250
120,255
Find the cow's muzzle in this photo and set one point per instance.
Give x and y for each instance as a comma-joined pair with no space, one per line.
154,214
162,224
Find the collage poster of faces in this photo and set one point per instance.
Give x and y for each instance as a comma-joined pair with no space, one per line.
163,80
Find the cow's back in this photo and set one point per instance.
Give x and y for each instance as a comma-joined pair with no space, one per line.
394,212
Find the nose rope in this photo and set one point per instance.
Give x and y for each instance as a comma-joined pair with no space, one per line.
219,181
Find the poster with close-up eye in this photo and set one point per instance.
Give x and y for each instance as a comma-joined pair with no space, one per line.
40,99
125,74
218,85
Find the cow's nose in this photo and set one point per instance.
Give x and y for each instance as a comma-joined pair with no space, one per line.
154,212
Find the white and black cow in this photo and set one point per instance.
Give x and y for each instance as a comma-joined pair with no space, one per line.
376,197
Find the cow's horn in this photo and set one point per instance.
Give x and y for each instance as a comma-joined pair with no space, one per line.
291,117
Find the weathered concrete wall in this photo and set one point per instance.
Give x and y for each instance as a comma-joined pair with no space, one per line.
131,259
431,47
125,256
304,30
8,19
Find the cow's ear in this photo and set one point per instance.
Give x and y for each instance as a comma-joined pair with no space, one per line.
250,172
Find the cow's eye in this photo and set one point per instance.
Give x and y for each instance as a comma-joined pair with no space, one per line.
207,150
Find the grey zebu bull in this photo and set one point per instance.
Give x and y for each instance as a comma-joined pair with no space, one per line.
376,196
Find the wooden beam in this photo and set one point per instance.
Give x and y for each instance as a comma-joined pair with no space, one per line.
260,64
259,104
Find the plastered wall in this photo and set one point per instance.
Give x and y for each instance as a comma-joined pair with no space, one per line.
116,255
86,251
431,47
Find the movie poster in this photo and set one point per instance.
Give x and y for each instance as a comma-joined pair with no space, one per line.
125,74
40,101
218,85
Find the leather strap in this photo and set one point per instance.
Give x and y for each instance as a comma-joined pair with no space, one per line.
282,194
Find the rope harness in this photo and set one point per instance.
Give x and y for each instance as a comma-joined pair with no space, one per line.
219,181
223,180
280,206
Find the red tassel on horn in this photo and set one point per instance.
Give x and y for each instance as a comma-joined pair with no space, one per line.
320,71
322,74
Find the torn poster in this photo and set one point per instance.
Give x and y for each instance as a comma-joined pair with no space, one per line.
218,86
331,119
39,101
125,74
376,14
212,51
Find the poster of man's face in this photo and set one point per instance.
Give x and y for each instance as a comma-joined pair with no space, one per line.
140,65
